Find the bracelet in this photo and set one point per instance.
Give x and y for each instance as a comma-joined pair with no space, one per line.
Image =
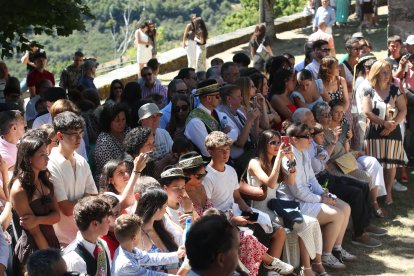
137,172
188,213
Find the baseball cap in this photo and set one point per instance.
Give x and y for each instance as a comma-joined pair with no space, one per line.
410,40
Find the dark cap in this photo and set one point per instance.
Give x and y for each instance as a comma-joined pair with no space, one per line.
206,87
12,86
89,63
52,94
39,54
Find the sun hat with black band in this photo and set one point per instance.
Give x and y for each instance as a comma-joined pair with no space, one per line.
207,87
191,160
52,94
172,173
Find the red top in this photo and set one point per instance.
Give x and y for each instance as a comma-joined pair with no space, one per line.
278,126
35,76
112,242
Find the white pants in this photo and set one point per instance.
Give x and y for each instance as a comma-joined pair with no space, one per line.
191,53
371,165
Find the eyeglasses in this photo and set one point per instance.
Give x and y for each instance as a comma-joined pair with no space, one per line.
305,136
200,176
147,74
182,108
274,143
327,50
74,134
326,115
54,142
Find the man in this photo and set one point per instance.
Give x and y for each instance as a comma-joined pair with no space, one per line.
176,86
12,95
189,77
88,253
4,75
394,44
70,173
28,57
321,34
154,65
39,73
324,13
89,72
150,86
230,72
321,50
46,262
31,112
204,119
50,95
242,60
308,50
70,75
149,116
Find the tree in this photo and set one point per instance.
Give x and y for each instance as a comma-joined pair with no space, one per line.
25,17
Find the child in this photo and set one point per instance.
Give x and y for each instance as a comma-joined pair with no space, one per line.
109,238
88,253
128,258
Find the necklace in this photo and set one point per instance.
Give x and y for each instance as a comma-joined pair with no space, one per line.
44,198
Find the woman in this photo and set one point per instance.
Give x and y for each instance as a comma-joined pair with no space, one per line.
284,83
353,48
265,170
385,108
331,212
109,143
337,144
114,177
259,37
260,82
144,48
152,35
189,36
342,12
201,35
33,200
155,238
116,91
51,136
180,109
308,92
131,97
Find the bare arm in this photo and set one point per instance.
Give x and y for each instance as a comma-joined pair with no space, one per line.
264,121
244,135
268,180
281,108
240,201
346,95
185,34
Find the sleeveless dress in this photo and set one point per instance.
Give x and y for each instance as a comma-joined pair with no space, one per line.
262,205
26,245
144,53
297,94
388,150
338,95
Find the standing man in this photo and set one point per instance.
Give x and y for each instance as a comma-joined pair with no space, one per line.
70,75
320,50
39,73
327,14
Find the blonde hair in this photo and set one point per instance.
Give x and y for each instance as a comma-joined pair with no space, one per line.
245,84
63,105
217,139
375,71
127,226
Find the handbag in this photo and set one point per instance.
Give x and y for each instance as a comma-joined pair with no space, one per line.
249,197
289,210
347,163
262,51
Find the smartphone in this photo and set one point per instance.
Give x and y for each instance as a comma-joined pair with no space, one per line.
250,216
255,102
285,140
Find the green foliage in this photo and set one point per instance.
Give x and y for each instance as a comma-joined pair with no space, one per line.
288,7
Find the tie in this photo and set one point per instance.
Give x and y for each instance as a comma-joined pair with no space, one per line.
212,114
96,251
100,256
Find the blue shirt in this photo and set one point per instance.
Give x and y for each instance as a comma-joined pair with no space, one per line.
166,115
328,15
87,82
130,263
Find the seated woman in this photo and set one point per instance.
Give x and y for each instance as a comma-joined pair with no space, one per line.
331,212
180,108
368,167
263,175
155,238
116,91
308,92
33,200
113,120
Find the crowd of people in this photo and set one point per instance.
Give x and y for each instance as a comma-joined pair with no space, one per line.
209,174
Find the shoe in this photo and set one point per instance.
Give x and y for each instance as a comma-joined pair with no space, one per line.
373,230
398,187
316,273
366,241
332,262
338,255
280,267
273,273
404,179
346,256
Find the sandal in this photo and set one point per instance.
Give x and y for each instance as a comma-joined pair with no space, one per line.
378,212
389,202
302,270
320,273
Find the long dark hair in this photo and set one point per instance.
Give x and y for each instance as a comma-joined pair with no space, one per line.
149,203
259,33
262,142
23,171
201,28
111,89
172,124
279,83
107,173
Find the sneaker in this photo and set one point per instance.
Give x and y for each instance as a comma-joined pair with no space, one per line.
398,187
346,256
366,241
273,273
373,230
332,262
338,255
279,266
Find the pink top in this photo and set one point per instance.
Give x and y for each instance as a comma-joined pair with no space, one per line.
8,152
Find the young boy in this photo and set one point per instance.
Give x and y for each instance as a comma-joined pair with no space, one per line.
128,258
89,254
70,173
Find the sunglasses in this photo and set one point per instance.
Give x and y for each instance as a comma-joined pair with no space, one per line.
181,91
305,136
146,75
182,108
274,143
200,176
325,50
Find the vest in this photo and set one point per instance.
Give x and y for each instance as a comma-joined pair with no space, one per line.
90,260
211,124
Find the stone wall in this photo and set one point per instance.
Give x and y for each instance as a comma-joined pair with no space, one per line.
401,18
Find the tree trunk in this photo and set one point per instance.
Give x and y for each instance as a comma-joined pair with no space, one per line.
400,18
269,19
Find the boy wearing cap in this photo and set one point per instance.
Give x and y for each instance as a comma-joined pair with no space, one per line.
149,116
39,73
205,118
89,71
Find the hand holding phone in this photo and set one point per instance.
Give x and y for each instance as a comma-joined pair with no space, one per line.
250,216
285,140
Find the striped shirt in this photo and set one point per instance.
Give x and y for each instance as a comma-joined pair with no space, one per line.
156,89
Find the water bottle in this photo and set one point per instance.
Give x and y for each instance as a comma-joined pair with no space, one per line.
186,229
224,122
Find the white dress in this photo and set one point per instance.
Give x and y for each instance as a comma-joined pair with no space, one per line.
144,53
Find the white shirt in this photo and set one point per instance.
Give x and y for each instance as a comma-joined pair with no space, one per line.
47,119
196,131
76,262
313,67
317,150
69,186
162,144
220,186
4,249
